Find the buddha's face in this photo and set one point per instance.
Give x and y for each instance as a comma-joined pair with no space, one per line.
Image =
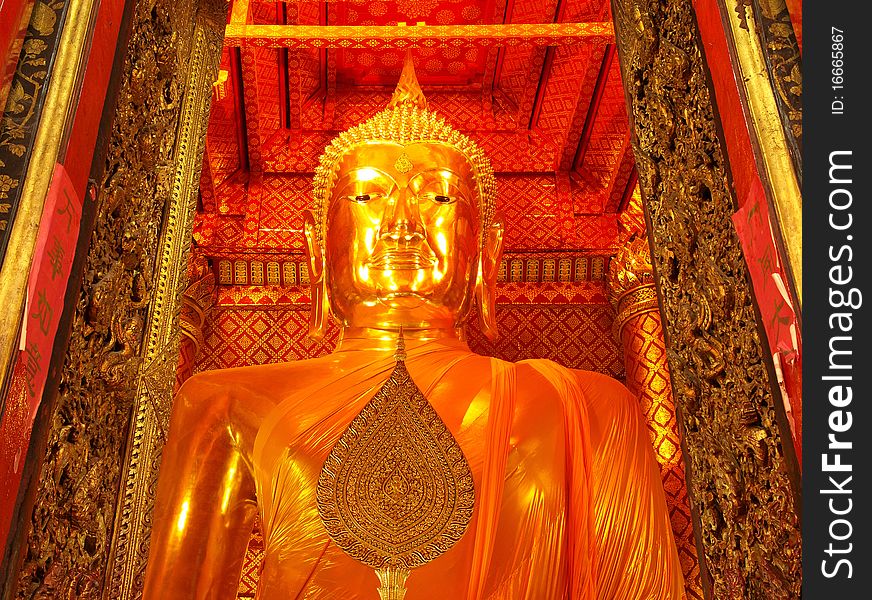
402,237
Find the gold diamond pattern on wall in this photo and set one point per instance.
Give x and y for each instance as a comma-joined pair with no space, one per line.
648,378
251,565
576,336
530,267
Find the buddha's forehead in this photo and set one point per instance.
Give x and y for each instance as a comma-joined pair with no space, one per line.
402,162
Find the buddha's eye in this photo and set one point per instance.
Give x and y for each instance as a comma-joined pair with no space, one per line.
442,199
362,198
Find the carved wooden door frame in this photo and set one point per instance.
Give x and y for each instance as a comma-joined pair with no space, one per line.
154,391
732,426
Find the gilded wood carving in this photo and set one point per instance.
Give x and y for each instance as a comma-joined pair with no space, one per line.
739,475
86,539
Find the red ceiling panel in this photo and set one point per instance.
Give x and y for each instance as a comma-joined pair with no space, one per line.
551,120
459,67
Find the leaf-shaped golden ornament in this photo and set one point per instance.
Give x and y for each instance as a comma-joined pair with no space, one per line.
396,491
43,19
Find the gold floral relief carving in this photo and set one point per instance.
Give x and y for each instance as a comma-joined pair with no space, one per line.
631,281
741,475
154,394
197,299
86,539
23,105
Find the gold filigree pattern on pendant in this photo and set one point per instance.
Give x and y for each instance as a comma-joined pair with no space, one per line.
396,491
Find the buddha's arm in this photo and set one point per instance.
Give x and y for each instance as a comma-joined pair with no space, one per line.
205,505
637,557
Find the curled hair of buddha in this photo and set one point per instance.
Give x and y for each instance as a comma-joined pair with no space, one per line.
406,121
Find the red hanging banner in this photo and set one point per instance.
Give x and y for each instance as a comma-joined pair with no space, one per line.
47,284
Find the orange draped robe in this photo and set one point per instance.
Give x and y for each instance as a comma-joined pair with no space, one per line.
569,502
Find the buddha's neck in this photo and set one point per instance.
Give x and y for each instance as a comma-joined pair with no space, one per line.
372,338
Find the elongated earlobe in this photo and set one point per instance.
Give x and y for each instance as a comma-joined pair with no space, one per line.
486,281
319,313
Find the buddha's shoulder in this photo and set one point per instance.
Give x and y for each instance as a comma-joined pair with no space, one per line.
588,383
270,379
586,394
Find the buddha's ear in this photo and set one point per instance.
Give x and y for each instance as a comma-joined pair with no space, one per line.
486,281
319,314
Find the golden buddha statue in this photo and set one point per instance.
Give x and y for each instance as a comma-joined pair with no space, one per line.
568,502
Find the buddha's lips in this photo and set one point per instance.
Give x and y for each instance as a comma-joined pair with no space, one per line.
401,259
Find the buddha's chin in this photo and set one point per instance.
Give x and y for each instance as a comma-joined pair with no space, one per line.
403,299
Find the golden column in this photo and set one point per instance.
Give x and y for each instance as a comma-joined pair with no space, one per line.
639,328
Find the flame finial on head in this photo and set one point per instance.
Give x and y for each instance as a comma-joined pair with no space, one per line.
408,90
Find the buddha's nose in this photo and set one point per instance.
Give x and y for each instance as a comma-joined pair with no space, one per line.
401,222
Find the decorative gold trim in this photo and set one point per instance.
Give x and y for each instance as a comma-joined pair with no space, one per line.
154,392
742,476
419,36
65,80
631,281
759,97
197,300
403,164
638,300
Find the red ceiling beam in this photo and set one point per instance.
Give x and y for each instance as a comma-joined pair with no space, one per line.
295,95
532,97
207,182
487,83
382,37
252,109
248,59
582,108
602,79
620,178
330,100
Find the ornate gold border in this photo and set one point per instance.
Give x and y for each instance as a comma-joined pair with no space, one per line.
775,157
635,301
65,79
154,392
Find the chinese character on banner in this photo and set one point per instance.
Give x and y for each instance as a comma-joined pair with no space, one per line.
46,286
47,283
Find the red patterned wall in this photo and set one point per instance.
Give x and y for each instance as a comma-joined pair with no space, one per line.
539,211
578,336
